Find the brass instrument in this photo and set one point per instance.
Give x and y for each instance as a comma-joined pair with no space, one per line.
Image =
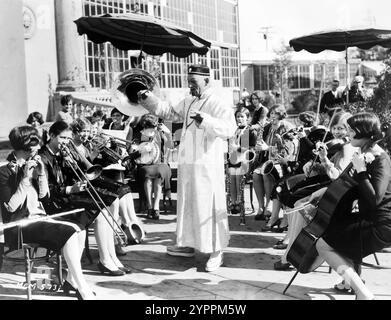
126,87
269,166
81,176
121,142
239,156
100,142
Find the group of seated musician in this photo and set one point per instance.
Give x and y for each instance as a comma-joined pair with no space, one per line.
320,174
67,190
23,189
321,158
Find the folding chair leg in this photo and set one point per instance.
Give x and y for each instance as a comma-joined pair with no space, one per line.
251,197
59,268
376,259
28,267
290,282
87,248
1,255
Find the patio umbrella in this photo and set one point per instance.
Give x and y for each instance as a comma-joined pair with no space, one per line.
340,40
144,33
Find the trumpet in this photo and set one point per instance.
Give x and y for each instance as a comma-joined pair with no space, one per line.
120,141
82,177
100,143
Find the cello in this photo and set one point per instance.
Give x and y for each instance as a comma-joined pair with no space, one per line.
303,254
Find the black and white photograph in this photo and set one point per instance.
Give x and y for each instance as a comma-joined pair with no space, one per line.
193,156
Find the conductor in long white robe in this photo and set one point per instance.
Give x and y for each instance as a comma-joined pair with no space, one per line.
202,221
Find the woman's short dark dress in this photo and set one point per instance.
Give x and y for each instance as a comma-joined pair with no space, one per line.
49,234
153,171
357,235
59,201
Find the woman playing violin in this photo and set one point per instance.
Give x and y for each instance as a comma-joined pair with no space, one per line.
351,236
330,168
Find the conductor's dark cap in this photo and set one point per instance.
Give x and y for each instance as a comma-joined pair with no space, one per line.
199,69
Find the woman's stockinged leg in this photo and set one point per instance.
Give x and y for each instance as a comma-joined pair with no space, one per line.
157,191
148,192
105,236
114,208
345,268
232,188
268,182
71,252
275,212
126,210
259,191
238,180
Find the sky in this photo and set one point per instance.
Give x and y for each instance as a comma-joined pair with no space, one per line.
288,19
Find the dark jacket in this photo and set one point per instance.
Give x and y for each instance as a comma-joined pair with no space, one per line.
329,101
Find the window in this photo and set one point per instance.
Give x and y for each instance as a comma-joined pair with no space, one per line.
263,77
304,72
177,12
204,15
342,74
299,77
230,67
104,62
174,72
227,21
318,75
293,77
215,63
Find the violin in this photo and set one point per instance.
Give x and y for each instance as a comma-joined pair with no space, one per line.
334,145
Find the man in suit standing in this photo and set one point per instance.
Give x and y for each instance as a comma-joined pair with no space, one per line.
330,100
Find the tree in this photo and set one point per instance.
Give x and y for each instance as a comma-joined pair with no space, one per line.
280,75
376,53
306,101
380,102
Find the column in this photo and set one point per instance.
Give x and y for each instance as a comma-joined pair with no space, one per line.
13,89
70,47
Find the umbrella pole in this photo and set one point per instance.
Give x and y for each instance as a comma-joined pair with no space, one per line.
347,74
321,91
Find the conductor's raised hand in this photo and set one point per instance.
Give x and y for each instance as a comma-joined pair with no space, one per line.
148,100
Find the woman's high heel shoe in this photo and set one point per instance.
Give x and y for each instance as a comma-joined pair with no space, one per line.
271,227
104,270
125,269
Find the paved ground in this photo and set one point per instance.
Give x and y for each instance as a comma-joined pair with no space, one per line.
247,273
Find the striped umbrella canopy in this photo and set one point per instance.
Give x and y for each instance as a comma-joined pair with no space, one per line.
145,33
